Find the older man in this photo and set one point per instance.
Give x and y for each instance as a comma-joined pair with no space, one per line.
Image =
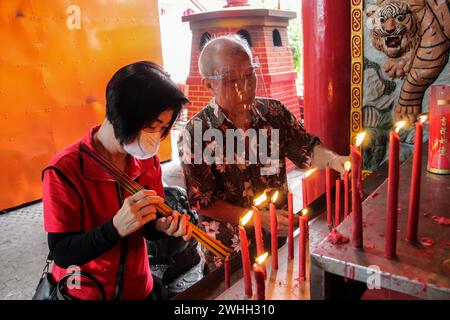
224,189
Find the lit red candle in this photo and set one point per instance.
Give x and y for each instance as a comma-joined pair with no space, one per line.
227,272
274,231
328,187
390,234
258,230
290,227
260,276
347,166
307,173
305,215
337,204
414,195
260,200
356,165
302,238
246,264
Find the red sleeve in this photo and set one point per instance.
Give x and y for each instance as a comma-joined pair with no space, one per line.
62,204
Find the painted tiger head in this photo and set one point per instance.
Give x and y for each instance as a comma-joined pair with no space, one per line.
393,27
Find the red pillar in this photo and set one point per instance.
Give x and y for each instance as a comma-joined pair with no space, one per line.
326,45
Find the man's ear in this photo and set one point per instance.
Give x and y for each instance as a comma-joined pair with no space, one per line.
207,84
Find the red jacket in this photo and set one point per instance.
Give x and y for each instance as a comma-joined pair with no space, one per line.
87,201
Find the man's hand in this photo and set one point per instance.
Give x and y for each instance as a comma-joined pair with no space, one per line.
322,157
282,222
337,163
175,225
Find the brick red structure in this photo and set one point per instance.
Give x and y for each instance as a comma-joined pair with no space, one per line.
236,3
266,31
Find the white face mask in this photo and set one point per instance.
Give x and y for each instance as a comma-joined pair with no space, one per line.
145,146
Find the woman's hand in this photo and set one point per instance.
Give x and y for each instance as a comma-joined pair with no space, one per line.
175,225
136,211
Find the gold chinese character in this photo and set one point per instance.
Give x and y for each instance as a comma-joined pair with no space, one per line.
443,140
444,121
443,131
443,151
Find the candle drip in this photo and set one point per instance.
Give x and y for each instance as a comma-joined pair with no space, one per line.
441,220
426,241
335,237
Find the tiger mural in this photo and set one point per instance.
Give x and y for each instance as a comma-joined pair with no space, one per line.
414,35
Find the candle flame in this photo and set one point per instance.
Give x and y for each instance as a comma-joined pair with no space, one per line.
359,138
260,199
347,165
304,212
309,172
262,258
275,197
399,125
423,118
246,218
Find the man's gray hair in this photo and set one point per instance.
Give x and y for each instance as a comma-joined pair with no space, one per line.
231,44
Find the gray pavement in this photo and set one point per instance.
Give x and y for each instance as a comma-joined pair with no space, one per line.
23,251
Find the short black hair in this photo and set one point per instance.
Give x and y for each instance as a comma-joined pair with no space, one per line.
136,95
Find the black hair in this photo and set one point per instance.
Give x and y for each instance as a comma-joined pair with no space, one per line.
136,95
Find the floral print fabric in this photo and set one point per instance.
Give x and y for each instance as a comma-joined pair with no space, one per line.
239,184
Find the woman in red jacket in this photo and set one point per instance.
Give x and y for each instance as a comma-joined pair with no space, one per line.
92,223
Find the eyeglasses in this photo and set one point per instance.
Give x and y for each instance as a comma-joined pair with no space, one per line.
231,75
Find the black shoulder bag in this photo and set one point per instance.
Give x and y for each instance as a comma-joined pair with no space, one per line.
49,289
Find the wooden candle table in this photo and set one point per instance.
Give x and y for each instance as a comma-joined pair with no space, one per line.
420,270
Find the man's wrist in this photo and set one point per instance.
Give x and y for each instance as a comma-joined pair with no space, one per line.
332,157
321,156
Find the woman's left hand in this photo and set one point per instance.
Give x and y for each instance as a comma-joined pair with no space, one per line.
175,225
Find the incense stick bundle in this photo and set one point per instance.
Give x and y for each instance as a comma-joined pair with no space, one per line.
211,244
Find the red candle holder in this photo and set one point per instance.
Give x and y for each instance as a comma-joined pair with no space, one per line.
439,141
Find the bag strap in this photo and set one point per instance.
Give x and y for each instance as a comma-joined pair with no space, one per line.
63,281
62,176
123,253
46,269
124,242
121,271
